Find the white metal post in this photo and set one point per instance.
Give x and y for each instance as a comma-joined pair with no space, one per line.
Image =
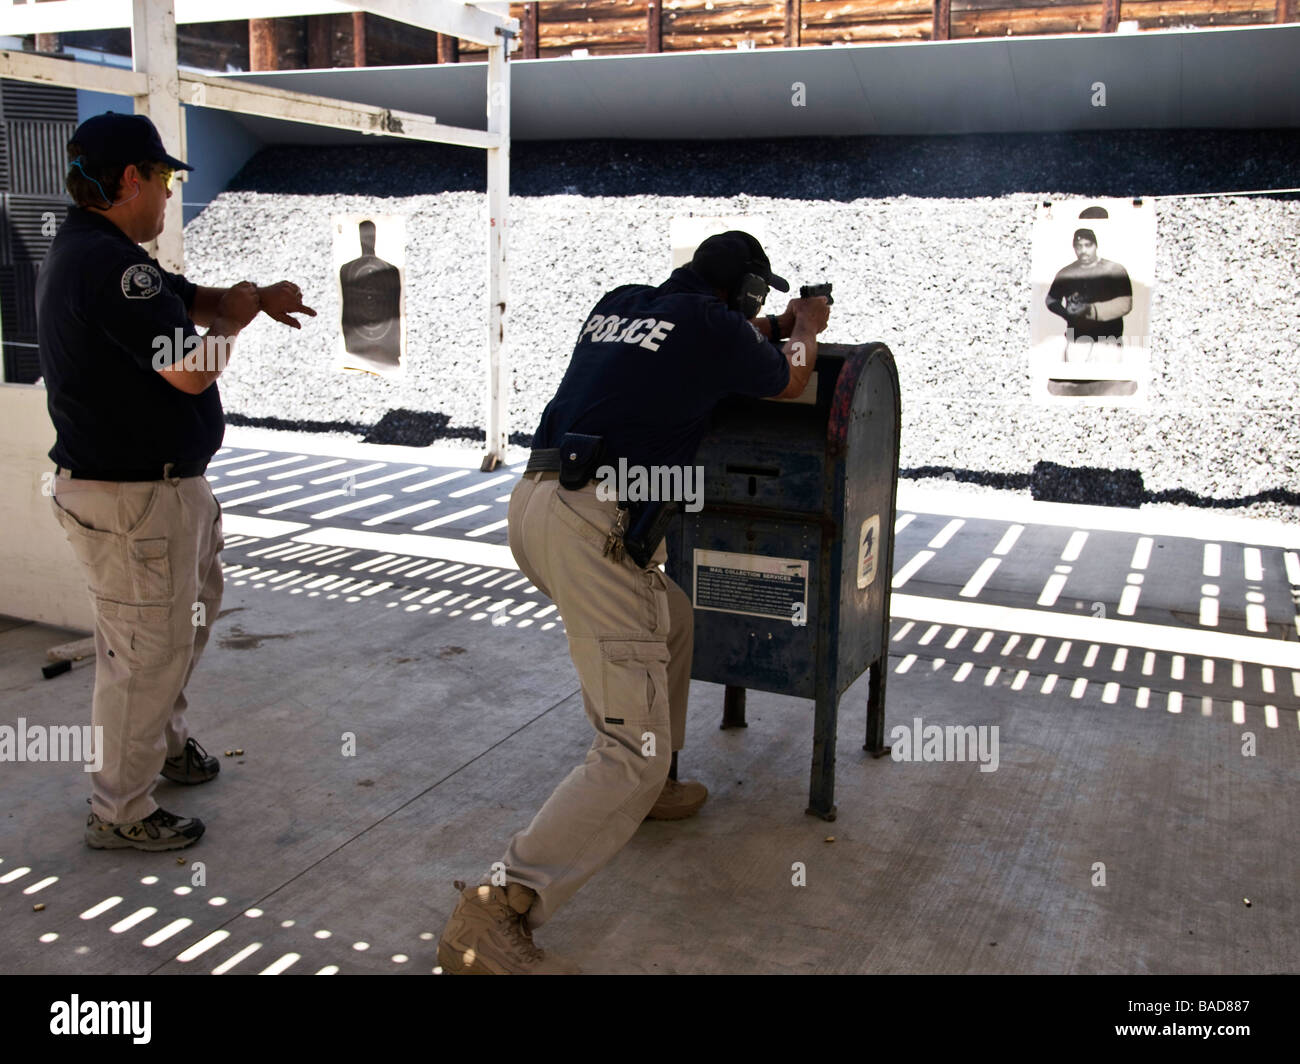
496,419
156,85
153,53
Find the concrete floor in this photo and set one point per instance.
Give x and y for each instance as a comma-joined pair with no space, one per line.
465,717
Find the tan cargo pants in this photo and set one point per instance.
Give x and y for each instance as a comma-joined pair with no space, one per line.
150,554
630,636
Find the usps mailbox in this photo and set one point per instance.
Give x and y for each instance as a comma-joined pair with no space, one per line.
790,560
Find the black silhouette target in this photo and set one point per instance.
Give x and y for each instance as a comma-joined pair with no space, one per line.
371,294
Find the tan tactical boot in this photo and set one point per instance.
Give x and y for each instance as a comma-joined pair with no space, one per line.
678,800
488,935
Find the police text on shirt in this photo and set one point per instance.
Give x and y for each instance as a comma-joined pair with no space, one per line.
644,332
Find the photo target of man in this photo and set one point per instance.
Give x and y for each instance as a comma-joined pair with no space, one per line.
1088,317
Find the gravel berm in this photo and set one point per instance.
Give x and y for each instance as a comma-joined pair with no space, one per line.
927,241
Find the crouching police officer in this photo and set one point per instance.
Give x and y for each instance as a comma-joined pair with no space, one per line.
649,367
132,394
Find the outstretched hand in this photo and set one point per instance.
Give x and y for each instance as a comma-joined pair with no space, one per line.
282,300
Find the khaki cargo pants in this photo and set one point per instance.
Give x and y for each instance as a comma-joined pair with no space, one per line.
630,636
149,550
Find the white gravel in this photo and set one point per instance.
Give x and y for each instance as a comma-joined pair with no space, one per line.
943,280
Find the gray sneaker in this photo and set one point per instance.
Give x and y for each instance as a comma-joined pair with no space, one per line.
488,935
160,830
191,765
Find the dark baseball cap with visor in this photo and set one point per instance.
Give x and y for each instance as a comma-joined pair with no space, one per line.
723,259
115,139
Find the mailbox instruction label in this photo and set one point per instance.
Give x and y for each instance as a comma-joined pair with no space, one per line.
753,584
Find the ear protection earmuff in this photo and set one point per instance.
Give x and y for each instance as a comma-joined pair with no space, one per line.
750,294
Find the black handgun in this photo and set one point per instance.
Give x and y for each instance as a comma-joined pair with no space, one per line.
647,523
807,291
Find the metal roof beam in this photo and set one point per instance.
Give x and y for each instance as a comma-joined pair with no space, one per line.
465,21
462,20
246,98
24,66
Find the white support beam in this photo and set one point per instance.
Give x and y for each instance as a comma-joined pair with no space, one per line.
153,53
24,66
466,21
496,416
462,20
69,16
244,97
63,16
225,10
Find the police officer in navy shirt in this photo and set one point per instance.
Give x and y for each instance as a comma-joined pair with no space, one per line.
133,397
650,365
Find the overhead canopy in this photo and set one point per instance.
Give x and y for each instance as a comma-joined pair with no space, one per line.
1202,78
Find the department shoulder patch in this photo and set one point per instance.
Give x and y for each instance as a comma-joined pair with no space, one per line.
141,281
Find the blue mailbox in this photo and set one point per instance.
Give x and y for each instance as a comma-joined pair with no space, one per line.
789,562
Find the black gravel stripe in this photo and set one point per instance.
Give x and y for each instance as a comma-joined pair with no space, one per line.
1147,162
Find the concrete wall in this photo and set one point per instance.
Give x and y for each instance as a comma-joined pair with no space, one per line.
40,579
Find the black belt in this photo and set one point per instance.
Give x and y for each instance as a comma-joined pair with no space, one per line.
545,460
158,472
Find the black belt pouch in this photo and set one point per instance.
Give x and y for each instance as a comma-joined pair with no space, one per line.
580,457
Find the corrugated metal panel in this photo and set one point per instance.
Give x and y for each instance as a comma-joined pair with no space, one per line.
30,99
24,327
9,302
22,364
18,307
31,222
36,123
38,155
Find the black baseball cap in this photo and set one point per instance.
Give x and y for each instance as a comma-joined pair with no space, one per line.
115,139
725,258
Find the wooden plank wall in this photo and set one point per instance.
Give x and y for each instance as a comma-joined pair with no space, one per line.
611,27
1000,18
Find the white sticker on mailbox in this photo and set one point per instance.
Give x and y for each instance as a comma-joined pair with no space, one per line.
868,550
753,584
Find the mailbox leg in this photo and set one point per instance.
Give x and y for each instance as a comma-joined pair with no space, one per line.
733,708
875,744
821,792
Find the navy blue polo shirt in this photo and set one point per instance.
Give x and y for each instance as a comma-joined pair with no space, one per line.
651,364
105,312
